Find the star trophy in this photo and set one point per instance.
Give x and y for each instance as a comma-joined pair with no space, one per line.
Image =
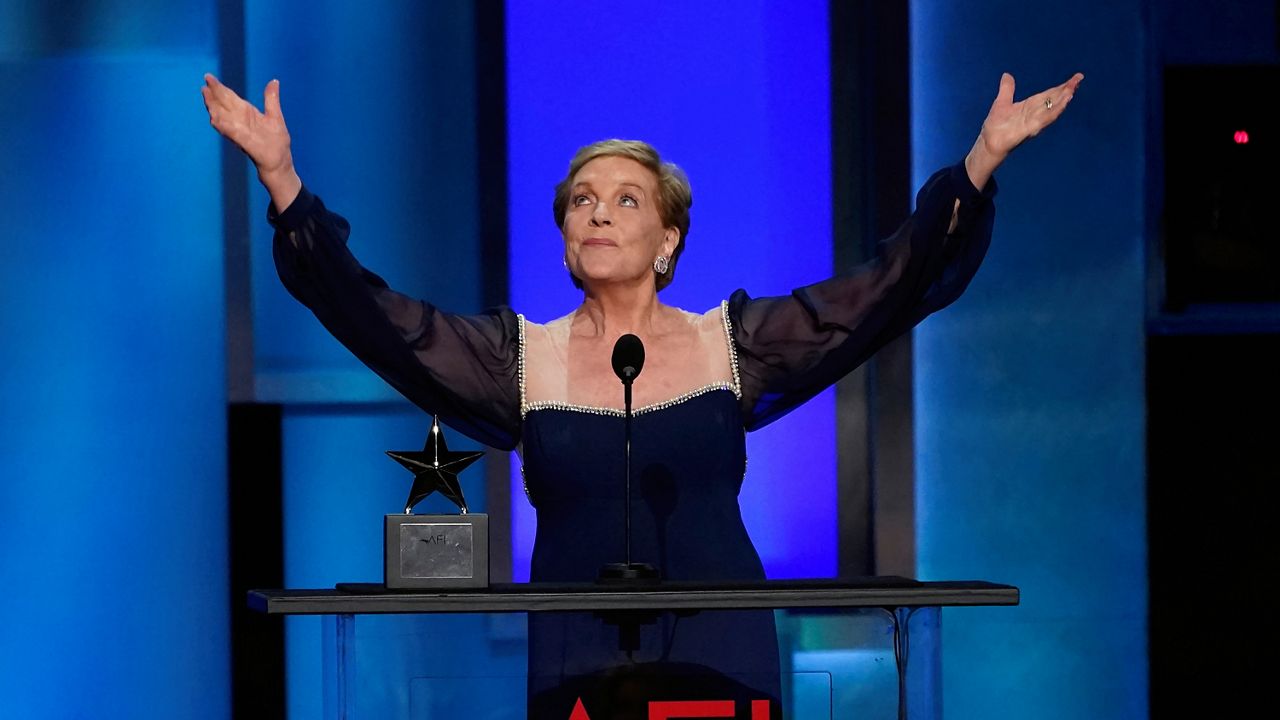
436,551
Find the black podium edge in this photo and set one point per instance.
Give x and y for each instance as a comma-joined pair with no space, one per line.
514,598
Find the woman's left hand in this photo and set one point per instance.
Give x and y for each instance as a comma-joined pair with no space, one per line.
1010,123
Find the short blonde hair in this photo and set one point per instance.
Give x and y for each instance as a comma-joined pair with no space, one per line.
675,196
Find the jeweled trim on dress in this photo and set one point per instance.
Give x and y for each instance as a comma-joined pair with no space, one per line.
524,481
733,349
520,363
555,405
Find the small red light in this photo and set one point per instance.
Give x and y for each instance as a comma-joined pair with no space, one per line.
1242,137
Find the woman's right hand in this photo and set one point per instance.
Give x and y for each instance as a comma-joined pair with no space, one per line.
261,135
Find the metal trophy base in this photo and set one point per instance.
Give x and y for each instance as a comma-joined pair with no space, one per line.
436,551
628,573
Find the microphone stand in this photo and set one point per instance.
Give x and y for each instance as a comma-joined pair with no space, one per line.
628,572
626,425
628,360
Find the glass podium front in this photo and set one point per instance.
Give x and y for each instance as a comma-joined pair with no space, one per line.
868,649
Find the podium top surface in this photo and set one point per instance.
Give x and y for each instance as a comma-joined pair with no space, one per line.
883,592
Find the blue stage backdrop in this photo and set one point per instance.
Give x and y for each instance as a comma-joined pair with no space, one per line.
112,426
1029,390
738,95
112,432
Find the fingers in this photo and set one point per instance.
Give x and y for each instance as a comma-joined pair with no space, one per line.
220,94
1051,104
1065,90
1059,96
1059,105
1005,95
207,92
214,89
211,107
271,100
222,104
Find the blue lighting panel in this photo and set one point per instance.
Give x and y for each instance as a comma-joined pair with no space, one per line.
738,95
1029,400
113,425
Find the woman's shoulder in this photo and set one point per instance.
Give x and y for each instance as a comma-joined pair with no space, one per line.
536,338
711,323
558,328
711,316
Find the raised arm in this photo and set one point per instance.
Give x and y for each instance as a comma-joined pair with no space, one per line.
792,347
463,368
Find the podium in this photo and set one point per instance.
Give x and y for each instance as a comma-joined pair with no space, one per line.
865,648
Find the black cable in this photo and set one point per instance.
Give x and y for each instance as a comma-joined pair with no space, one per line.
901,651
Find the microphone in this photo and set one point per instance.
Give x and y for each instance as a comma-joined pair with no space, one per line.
628,361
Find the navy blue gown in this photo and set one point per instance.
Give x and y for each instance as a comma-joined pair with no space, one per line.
688,456
685,521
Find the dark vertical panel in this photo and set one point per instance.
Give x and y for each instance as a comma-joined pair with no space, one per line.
892,425
1212,353
235,216
871,161
491,146
1219,241
1153,159
850,233
255,539
1211,499
1217,36
491,177
255,548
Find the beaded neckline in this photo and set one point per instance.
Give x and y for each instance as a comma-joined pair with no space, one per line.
735,386
614,412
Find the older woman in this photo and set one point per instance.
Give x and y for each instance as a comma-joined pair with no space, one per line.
550,391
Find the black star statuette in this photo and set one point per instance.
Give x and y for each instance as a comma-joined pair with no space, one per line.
435,468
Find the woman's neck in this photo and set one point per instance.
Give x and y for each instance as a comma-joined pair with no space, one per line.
614,310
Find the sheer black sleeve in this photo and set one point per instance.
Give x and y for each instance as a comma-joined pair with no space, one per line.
792,347
460,367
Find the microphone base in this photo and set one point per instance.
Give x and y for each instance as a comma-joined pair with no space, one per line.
628,573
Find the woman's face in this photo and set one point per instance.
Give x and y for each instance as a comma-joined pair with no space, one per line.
612,229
